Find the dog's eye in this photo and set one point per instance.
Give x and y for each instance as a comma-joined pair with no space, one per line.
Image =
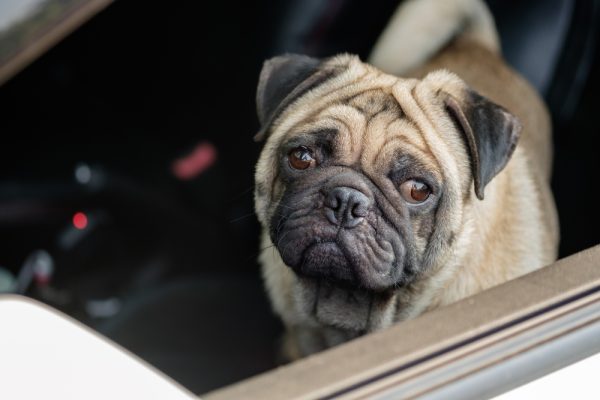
301,158
414,191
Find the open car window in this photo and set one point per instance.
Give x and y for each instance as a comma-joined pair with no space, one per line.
481,347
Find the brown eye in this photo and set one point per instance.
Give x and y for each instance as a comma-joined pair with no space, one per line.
301,158
414,191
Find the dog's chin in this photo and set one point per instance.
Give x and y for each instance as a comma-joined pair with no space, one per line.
343,307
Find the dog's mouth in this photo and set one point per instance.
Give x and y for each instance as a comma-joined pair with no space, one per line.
333,295
332,290
356,259
326,261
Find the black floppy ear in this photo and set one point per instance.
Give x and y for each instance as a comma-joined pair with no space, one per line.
282,80
491,133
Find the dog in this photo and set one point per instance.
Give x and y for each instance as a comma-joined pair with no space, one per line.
388,189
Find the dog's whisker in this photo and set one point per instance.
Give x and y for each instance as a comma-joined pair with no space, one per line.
259,252
242,217
243,193
281,238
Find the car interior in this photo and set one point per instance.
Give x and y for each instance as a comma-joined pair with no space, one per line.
126,179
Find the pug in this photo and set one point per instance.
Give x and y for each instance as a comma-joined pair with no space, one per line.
388,189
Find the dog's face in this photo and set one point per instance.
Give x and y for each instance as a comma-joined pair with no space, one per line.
364,177
356,208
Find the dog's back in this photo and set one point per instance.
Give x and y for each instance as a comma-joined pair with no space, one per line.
419,29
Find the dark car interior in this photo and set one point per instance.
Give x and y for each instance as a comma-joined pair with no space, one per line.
126,179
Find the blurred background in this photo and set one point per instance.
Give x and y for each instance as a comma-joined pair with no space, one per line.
127,159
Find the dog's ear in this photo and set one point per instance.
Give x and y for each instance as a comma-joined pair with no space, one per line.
491,133
282,80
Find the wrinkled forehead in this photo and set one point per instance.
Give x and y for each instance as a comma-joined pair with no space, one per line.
366,128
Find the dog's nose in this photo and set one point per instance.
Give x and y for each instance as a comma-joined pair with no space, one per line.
346,207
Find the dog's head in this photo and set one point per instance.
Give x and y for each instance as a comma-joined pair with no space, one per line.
363,177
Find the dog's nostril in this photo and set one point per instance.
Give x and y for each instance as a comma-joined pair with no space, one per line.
335,203
359,210
332,202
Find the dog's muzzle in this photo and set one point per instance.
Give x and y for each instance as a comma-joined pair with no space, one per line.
336,233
